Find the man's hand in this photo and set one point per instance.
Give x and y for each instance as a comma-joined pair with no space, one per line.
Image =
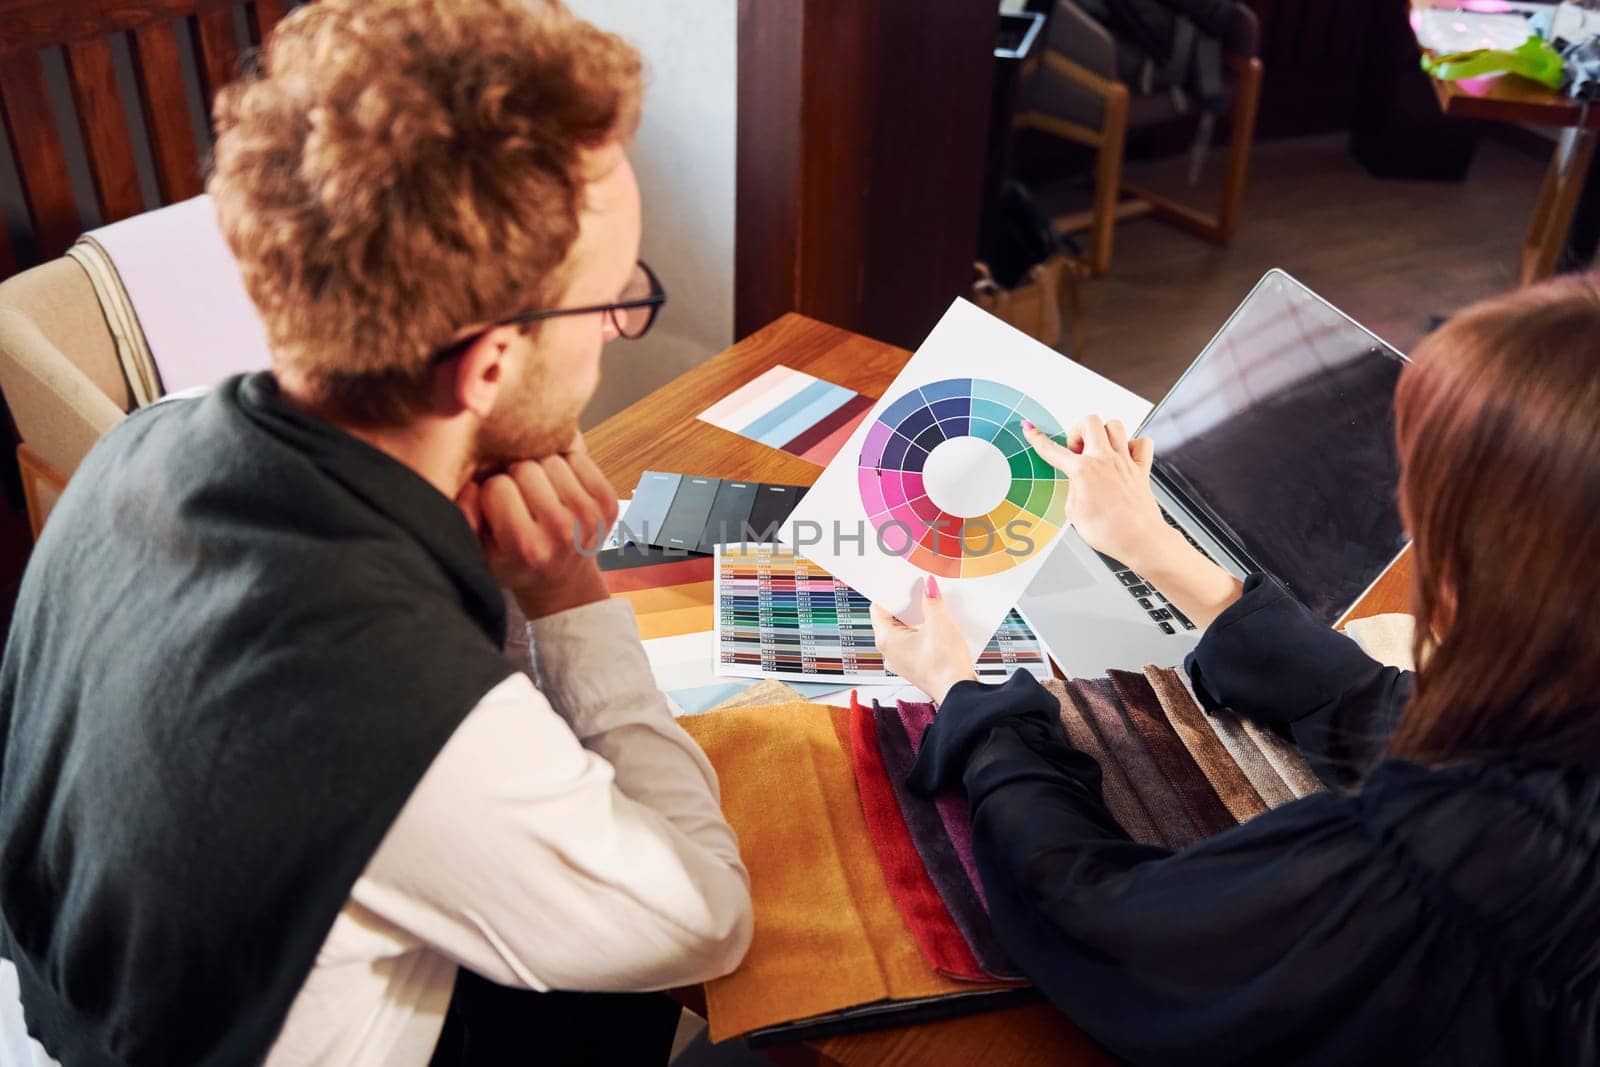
531,520
1109,500
933,657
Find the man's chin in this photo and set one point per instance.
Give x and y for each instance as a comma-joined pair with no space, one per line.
498,448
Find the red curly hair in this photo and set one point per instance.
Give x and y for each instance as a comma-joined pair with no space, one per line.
395,170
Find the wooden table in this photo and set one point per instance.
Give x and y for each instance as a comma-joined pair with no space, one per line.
661,432
1507,98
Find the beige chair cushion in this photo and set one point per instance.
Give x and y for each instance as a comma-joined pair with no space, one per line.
58,366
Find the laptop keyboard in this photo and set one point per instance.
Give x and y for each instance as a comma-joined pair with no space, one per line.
1158,607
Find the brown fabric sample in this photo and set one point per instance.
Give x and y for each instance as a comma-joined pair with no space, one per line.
1285,759
1119,795
827,933
1144,712
1247,755
1188,722
1103,710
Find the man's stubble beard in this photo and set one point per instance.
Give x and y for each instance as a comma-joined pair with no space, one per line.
523,429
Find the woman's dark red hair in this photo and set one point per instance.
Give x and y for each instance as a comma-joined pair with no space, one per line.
1498,423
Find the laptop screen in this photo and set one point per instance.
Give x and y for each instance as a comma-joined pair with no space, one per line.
1282,435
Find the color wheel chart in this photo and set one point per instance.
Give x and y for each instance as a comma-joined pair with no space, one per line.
950,484
781,616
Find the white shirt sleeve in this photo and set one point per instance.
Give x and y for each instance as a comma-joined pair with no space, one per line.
569,838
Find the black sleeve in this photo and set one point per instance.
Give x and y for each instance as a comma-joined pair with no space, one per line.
1269,659
1220,952
1066,779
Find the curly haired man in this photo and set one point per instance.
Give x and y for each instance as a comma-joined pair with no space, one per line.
269,791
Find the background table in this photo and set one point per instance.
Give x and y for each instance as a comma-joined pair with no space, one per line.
661,432
1503,98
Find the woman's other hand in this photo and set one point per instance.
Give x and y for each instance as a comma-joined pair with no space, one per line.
1109,500
933,657
1111,505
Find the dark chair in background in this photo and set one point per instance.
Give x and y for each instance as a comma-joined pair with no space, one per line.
1073,90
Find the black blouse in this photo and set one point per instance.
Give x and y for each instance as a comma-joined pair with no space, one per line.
1425,915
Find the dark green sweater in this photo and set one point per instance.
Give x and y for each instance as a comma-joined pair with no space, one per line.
239,643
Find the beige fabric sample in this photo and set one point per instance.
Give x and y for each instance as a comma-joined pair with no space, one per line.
1386,638
1285,759
766,691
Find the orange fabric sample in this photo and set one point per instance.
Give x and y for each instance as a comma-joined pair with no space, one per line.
670,610
827,933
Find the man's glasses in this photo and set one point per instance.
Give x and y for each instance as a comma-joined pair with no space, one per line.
633,313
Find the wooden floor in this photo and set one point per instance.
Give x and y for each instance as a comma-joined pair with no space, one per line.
1389,253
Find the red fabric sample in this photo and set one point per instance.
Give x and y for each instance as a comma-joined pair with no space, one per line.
656,575
914,894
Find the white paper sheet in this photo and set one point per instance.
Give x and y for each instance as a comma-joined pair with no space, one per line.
968,475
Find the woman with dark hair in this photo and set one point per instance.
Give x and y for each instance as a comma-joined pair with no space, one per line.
1442,903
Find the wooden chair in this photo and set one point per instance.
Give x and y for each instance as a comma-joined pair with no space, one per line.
87,32
1072,90
61,380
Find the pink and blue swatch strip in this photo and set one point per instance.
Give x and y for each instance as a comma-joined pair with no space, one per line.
793,411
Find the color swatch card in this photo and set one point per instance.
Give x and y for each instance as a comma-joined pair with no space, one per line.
688,513
787,409
939,480
781,616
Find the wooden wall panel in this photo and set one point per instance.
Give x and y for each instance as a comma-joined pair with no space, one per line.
767,176
861,132
927,156
1314,52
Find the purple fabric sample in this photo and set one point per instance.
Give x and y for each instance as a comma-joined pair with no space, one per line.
952,805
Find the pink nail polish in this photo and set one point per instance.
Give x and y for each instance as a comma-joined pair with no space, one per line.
1027,425
933,588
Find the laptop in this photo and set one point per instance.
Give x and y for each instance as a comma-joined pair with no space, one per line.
1275,452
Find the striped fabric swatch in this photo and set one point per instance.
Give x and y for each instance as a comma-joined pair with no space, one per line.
913,890
1120,798
1124,745
916,717
933,845
785,408
1188,722
1210,815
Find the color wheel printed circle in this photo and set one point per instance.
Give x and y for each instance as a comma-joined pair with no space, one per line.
916,481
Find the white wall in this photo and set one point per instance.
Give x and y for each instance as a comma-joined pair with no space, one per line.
684,156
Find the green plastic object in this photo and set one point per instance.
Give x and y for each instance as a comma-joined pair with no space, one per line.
1533,59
